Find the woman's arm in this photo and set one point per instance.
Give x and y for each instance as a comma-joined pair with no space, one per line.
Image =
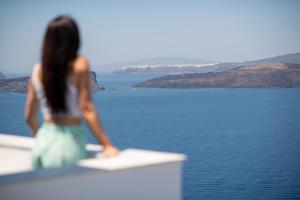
88,110
31,108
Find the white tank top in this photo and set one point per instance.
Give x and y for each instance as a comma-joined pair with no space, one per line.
71,98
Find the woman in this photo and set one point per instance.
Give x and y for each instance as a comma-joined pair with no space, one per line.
61,85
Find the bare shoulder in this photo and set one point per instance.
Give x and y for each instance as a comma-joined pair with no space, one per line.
81,65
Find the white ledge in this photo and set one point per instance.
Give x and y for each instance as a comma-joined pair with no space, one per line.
15,152
134,174
130,158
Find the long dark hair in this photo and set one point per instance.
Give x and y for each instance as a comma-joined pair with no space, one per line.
60,47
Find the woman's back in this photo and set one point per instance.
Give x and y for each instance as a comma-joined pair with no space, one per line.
62,136
71,97
73,113
61,85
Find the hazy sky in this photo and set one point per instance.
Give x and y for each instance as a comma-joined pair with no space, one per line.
114,31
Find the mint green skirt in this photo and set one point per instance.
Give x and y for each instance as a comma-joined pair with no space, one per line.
58,146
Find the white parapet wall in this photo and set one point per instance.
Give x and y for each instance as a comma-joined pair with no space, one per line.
135,174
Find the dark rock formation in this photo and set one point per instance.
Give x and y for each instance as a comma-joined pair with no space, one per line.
2,75
20,84
94,83
252,76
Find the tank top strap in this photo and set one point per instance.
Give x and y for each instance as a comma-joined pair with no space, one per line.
34,75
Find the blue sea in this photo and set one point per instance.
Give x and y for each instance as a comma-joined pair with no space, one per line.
240,143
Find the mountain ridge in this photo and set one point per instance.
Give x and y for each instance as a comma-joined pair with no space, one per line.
161,60
250,76
166,69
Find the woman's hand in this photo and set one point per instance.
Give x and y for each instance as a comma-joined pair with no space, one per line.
110,150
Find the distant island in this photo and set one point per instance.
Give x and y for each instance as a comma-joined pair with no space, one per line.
20,84
278,71
152,66
250,76
162,66
176,65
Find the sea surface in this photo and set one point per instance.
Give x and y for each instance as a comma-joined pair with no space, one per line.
240,143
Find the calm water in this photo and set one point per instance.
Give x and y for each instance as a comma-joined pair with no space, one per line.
240,143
